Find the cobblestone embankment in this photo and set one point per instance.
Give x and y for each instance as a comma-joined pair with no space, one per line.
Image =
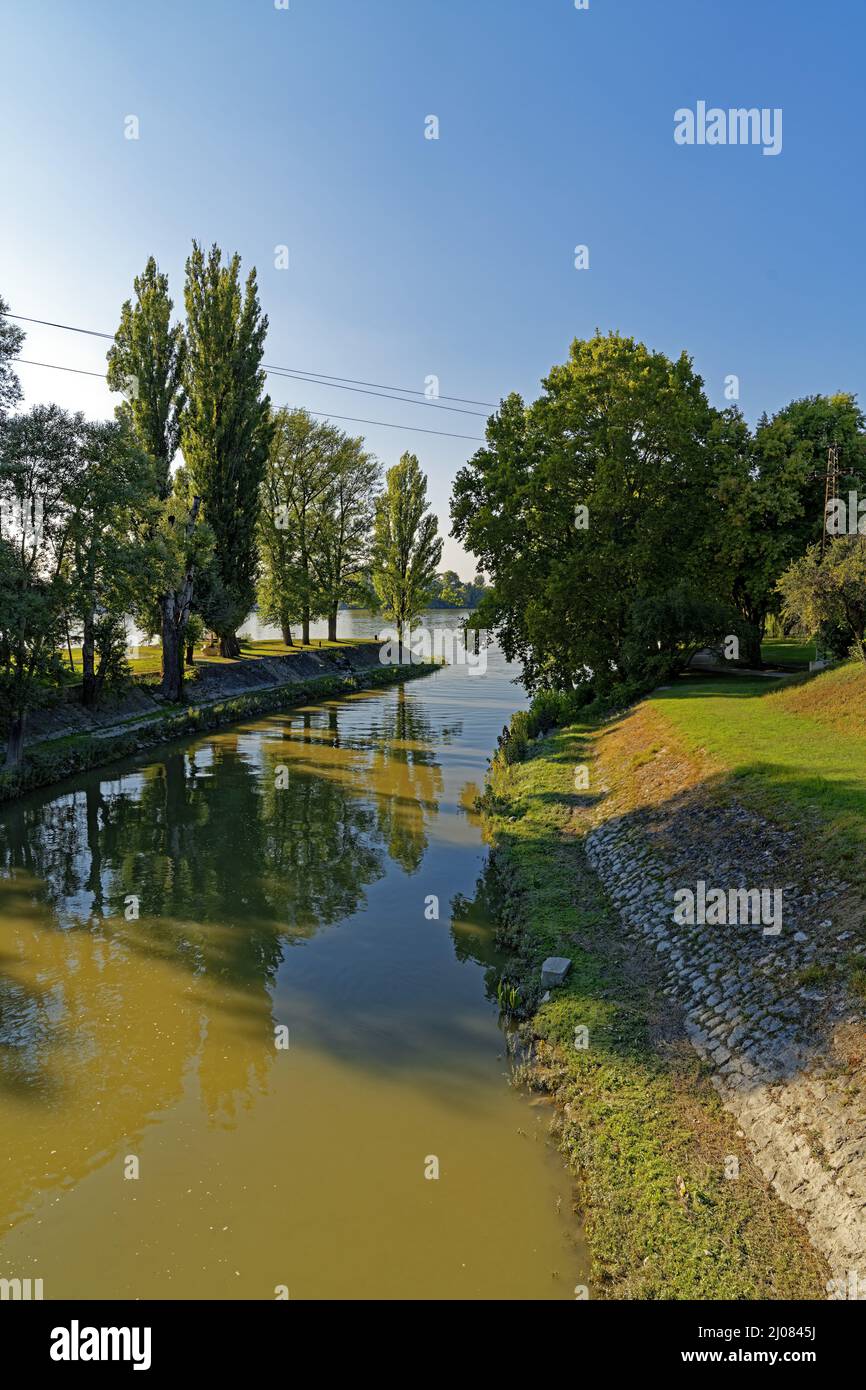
768,1013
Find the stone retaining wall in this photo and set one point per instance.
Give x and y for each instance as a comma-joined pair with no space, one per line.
786,1056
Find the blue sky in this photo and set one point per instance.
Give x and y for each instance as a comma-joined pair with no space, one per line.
411,257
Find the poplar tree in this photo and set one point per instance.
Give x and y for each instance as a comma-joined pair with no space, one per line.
407,548
146,363
225,430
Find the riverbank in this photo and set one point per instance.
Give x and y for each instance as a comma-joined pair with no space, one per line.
69,739
715,1119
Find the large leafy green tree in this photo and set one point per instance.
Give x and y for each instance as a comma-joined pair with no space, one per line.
39,461
406,545
225,429
829,591
343,542
770,489
791,457
110,504
596,498
301,472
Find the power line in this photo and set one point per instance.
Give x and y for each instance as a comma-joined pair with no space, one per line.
354,419
377,395
407,390
79,371
299,373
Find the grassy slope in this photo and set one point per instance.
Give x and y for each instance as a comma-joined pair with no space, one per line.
796,749
642,1124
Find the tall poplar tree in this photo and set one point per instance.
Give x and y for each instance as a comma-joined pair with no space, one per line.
407,548
225,429
146,363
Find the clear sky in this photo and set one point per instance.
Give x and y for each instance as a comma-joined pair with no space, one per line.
410,257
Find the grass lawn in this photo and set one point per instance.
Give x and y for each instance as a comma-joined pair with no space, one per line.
788,651
143,661
278,648
796,747
147,661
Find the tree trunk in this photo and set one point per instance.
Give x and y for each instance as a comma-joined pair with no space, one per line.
229,645
332,625
175,607
287,634
90,692
752,654
15,739
305,625
190,653
172,651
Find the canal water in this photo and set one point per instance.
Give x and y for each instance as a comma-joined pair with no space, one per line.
248,1011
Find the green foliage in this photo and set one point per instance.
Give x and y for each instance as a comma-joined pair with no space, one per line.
449,591
11,339
30,608
829,593
146,363
406,546
771,490
225,429
317,502
109,504
690,520
666,630
555,709
507,996
626,434
41,460
342,548
195,630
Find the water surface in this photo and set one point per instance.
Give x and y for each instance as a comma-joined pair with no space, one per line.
287,874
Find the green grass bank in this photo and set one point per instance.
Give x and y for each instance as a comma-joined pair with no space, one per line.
645,1134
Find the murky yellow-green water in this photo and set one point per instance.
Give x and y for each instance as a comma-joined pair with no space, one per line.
283,872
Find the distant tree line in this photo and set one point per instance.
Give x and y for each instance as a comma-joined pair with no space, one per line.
449,591
624,522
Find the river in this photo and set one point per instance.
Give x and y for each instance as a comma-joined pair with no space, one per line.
236,1040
